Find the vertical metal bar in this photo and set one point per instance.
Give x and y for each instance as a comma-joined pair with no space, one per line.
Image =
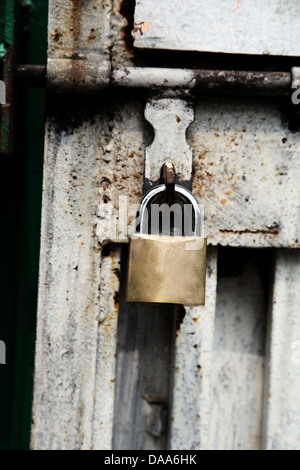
143,378
193,369
239,352
105,374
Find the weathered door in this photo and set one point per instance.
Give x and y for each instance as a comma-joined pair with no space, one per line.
113,375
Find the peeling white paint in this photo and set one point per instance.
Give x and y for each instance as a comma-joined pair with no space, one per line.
231,26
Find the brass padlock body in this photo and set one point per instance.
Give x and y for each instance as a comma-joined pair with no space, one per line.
166,269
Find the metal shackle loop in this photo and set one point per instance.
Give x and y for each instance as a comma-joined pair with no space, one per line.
182,194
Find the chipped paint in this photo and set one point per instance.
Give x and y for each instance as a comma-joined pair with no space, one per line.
227,26
243,151
141,27
239,2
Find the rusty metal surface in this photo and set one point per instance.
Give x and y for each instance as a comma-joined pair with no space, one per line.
77,76
231,26
78,28
246,171
78,43
89,48
208,81
90,76
85,39
168,178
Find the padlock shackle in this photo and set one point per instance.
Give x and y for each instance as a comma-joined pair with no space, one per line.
185,193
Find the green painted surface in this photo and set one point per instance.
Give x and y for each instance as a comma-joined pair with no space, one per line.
2,50
20,193
2,26
6,25
9,21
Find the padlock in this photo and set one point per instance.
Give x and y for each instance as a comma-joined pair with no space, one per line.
167,268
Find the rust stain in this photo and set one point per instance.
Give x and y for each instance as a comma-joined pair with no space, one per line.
75,22
180,317
154,399
92,36
126,8
178,118
116,299
141,27
273,230
202,155
237,5
117,273
202,178
223,201
56,35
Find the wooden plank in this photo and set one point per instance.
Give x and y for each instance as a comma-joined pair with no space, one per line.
232,26
105,371
239,352
282,414
70,364
193,369
67,329
144,374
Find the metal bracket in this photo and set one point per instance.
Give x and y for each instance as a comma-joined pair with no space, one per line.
170,119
